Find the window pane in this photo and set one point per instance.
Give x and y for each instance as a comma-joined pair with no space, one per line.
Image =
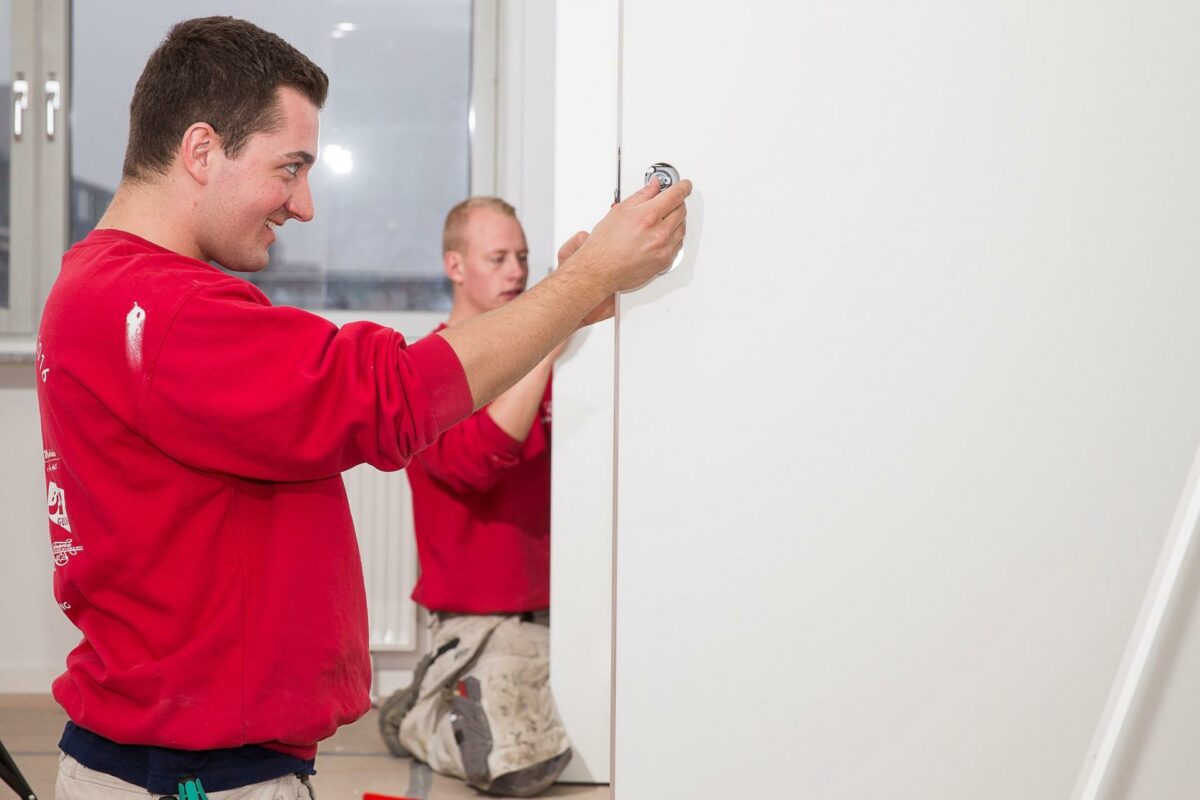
394,137
6,109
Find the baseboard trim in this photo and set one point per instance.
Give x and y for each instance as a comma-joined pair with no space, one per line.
28,680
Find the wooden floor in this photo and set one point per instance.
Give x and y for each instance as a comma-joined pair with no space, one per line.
351,763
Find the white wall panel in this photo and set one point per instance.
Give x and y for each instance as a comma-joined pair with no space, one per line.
899,441
582,504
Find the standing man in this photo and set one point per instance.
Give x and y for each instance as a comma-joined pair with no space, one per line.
481,507
194,434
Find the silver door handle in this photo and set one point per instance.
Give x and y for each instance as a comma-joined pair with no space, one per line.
53,103
20,90
667,175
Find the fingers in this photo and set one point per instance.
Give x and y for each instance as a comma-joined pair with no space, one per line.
674,226
606,310
669,198
673,198
638,239
677,238
666,215
676,218
642,195
571,246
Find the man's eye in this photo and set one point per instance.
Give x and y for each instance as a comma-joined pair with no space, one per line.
292,168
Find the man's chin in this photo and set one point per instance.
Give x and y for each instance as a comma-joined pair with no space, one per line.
246,264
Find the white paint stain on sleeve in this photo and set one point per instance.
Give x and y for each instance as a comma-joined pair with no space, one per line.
135,325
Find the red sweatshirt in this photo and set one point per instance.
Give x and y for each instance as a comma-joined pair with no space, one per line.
481,506
194,438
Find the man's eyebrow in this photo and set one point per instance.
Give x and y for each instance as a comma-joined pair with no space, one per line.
302,155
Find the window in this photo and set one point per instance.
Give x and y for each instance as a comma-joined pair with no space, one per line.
34,157
406,90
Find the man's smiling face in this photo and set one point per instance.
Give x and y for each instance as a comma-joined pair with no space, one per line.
264,187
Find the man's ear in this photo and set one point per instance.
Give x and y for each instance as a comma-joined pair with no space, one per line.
452,260
200,144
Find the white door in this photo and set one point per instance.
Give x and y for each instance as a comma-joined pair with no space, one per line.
900,439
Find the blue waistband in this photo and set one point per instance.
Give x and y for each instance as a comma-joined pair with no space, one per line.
160,769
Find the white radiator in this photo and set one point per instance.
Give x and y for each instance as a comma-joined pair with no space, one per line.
382,508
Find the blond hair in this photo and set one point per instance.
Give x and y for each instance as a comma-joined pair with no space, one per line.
456,220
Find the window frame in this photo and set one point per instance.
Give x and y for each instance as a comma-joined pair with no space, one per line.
38,168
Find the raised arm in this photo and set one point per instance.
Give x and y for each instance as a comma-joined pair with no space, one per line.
635,241
515,409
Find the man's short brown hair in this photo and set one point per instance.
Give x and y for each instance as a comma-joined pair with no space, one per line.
456,220
219,70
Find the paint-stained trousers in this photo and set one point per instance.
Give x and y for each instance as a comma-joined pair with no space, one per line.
77,782
482,709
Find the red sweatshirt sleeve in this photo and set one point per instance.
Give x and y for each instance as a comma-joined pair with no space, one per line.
239,386
473,455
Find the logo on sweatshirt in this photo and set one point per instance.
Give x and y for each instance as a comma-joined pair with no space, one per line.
63,550
56,507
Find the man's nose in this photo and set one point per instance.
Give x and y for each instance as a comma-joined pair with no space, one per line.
516,267
300,204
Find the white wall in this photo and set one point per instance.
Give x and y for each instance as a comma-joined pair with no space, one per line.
582,507
546,95
883,533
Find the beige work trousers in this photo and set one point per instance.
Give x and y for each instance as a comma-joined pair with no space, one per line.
77,782
511,661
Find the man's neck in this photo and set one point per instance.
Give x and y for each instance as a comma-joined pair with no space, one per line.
151,211
460,312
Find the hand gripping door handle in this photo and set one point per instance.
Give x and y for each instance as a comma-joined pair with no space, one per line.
667,176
